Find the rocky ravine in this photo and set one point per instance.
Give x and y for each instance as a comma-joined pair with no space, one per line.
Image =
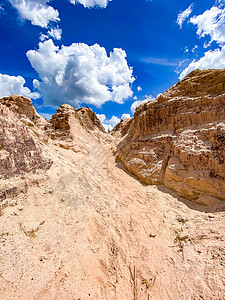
178,139
76,225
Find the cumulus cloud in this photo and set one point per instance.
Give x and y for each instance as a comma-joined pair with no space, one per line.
211,59
36,11
125,116
55,33
212,23
91,3
81,74
184,15
101,117
108,124
10,85
139,102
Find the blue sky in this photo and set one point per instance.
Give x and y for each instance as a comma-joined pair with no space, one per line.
109,55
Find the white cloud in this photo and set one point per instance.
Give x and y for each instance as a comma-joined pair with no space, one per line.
101,117
81,74
139,102
212,23
91,3
211,59
55,33
121,92
44,37
10,85
184,15
37,11
125,116
207,44
108,124
135,98
194,48
139,88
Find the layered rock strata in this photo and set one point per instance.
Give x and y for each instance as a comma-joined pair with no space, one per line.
178,139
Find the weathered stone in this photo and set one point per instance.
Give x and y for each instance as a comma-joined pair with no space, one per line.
122,128
67,116
178,139
21,106
19,151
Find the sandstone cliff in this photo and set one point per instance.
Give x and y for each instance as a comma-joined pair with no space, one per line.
75,225
178,139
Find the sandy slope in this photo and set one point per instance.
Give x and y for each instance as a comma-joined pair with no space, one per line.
87,229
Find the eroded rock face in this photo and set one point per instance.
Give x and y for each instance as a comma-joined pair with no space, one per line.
23,108
19,151
60,120
122,128
22,130
178,139
89,119
67,117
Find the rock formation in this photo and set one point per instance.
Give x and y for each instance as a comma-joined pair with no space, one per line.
122,128
74,224
66,115
178,139
23,109
19,152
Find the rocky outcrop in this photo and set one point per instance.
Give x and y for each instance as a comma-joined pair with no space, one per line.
19,151
60,121
24,110
22,129
178,139
67,117
89,119
122,128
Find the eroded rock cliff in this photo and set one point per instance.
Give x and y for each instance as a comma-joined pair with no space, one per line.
178,139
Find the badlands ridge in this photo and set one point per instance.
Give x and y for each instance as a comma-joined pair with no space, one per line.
137,213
